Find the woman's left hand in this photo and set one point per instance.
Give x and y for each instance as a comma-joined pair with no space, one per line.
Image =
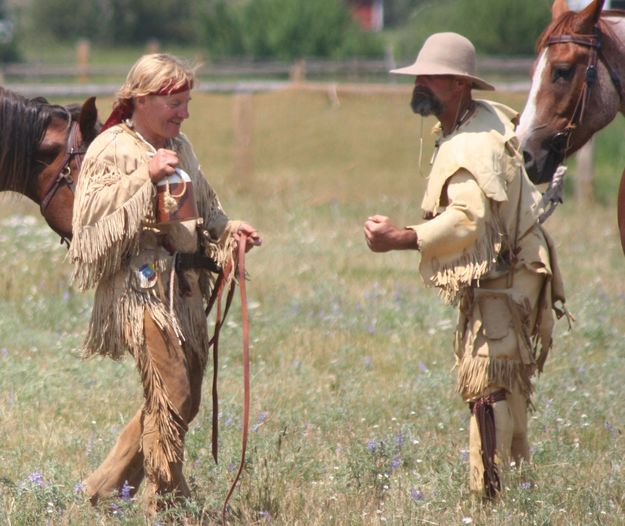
252,236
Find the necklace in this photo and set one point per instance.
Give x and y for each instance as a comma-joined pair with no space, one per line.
465,115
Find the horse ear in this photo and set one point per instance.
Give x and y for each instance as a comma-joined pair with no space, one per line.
590,15
88,120
558,8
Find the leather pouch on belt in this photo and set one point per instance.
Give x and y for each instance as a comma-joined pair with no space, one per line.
496,316
501,313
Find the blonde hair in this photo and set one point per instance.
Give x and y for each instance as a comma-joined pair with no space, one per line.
151,73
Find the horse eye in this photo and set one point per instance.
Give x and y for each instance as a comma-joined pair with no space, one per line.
563,71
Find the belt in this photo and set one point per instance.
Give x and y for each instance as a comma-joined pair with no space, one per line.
186,261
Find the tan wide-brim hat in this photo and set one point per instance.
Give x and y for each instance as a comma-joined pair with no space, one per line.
446,54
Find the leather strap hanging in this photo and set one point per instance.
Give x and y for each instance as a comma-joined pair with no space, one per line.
484,413
216,299
246,367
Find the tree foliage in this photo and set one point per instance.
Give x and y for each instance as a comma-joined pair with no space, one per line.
114,21
263,29
494,26
8,47
286,29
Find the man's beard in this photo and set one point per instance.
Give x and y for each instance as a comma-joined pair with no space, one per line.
424,102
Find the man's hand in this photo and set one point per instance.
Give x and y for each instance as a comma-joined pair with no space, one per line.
382,235
163,164
253,237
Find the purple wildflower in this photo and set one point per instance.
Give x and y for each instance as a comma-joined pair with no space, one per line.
126,492
266,515
422,367
4,352
417,495
372,445
395,463
262,418
399,440
36,479
371,328
526,485
367,361
79,488
609,426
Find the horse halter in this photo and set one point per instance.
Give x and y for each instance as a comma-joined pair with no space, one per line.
63,176
560,142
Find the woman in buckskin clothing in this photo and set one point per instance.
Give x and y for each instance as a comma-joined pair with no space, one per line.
482,246
151,266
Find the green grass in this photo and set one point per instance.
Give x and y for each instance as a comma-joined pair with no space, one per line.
354,416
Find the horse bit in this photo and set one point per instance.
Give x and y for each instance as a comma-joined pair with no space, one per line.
63,176
560,141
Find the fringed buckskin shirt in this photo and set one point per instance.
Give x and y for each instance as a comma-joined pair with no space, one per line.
482,232
118,247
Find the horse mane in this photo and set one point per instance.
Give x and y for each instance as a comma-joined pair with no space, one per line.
567,23
23,123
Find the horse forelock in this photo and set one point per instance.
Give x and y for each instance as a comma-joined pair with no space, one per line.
563,25
23,124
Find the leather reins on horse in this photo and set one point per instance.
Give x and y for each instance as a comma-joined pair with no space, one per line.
560,142
63,176
215,300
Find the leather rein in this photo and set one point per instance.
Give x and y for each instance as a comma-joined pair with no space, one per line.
216,300
560,142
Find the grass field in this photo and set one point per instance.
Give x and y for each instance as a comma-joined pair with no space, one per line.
354,415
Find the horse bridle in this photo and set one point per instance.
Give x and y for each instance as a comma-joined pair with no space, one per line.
63,176
561,140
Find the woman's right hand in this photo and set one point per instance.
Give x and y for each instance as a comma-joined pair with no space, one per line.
163,164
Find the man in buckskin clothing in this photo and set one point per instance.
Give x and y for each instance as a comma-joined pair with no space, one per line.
151,265
482,246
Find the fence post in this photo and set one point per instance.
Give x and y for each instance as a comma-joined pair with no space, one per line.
585,172
82,59
243,120
152,46
298,72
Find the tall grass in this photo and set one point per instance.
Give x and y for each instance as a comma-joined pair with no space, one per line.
354,415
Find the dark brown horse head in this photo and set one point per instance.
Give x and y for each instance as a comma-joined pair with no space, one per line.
41,150
573,93
61,152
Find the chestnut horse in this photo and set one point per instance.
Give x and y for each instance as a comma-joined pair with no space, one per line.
41,151
578,87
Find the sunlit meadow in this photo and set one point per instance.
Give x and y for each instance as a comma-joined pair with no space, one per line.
354,415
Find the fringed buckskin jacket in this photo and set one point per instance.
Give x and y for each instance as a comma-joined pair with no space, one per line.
482,228
118,247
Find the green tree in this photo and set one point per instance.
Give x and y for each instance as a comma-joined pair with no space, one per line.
496,27
8,43
115,21
286,29
396,12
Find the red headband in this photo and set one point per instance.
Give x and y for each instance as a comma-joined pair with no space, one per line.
123,109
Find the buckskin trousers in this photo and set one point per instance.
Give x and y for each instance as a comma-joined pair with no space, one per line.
176,376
